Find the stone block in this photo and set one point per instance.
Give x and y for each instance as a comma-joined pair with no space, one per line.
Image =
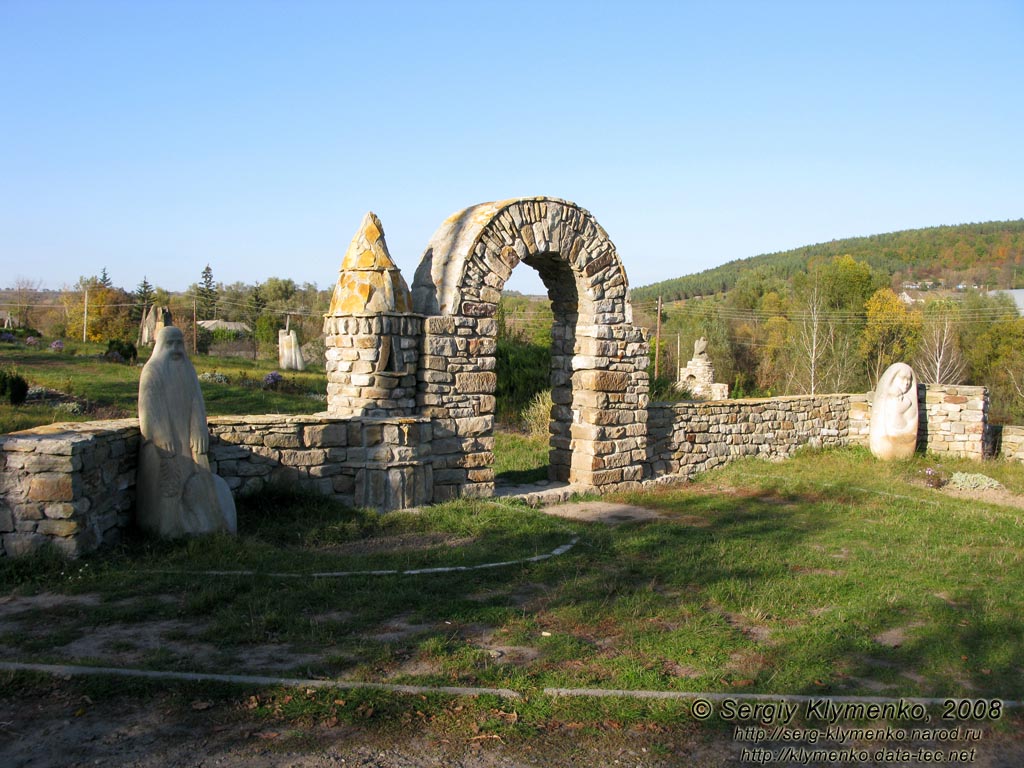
602,381
470,383
51,487
19,544
60,511
57,527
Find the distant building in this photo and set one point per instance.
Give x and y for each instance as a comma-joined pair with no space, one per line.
224,325
911,299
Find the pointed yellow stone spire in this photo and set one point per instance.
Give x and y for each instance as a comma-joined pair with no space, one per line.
369,282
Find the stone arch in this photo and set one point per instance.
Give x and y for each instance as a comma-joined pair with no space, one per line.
599,360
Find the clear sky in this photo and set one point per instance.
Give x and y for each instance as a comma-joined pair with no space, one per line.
152,137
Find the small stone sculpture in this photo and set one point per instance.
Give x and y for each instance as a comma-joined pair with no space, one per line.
894,414
176,493
700,348
289,355
698,377
158,317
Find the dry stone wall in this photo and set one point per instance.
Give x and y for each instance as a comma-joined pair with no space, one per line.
68,484
382,463
1011,443
953,420
73,485
686,438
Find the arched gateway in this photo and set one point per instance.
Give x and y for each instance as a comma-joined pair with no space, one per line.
598,360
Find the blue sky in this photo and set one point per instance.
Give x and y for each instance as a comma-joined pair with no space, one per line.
152,138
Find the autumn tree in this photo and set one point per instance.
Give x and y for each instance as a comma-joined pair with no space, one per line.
826,316
890,333
104,310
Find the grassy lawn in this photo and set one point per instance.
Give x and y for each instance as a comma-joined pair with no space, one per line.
830,573
111,389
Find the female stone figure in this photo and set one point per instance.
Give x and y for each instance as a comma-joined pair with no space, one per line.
893,433
176,493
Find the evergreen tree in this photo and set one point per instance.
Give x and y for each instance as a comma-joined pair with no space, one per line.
105,280
207,296
144,296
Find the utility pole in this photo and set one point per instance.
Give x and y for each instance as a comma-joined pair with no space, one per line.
85,315
657,342
195,330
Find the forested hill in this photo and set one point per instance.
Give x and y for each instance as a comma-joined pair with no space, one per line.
987,252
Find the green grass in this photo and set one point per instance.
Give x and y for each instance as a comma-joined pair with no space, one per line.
830,573
519,458
112,389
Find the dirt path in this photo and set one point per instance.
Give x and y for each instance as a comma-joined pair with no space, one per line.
56,728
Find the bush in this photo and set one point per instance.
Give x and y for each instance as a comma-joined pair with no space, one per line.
272,379
57,345
13,387
120,351
537,415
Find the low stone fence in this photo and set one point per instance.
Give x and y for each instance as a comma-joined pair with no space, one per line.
383,463
1010,442
74,484
69,484
686,438
952,420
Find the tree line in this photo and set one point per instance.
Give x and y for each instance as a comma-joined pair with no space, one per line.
988,255
838,324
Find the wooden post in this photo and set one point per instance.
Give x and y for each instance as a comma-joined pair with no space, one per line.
85,315
657,342
195,330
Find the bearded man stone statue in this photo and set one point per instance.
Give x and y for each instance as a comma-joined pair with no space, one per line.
176,493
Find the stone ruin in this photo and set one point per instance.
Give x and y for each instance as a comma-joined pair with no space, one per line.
698,377
431,352
411,406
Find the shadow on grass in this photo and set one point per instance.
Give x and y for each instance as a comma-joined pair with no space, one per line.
758,591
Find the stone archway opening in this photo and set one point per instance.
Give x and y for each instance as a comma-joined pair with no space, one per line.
598,361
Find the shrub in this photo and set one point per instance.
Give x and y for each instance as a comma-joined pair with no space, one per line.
934,478
57,345
32,341
537,415
212,377
13,387
7,337
272,379
120,351
966,481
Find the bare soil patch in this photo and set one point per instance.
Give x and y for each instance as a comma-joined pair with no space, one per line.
603,512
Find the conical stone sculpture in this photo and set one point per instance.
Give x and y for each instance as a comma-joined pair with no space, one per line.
372,338
176,493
